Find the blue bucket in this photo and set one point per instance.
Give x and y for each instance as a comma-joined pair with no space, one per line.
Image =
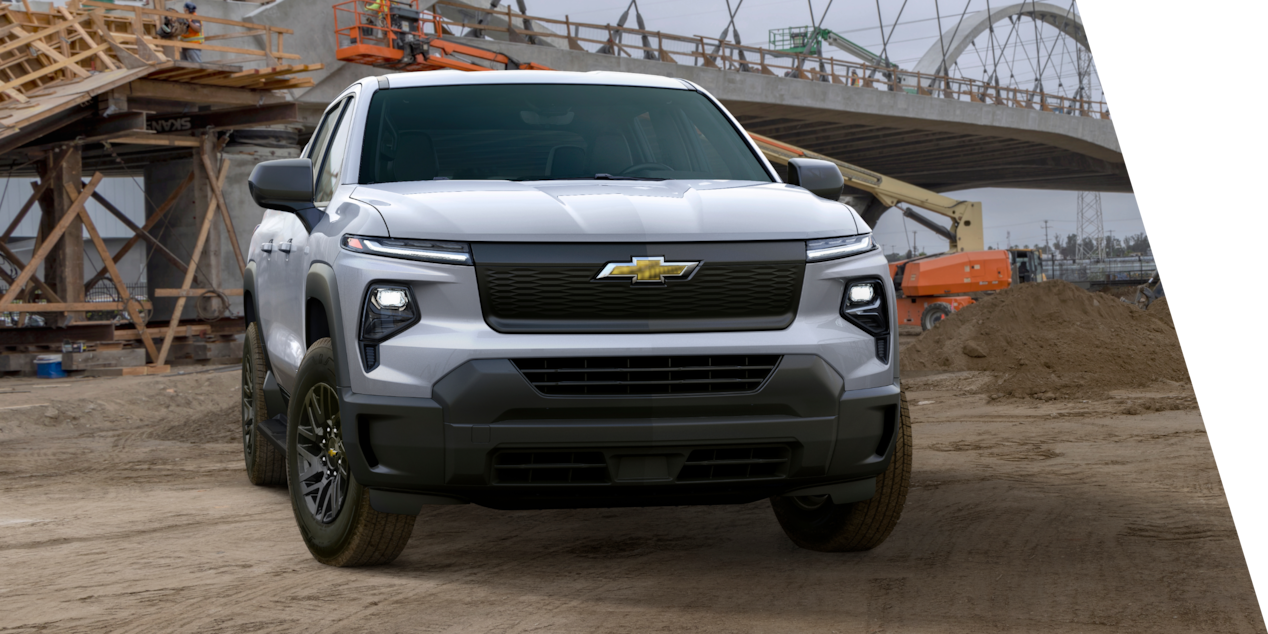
49,366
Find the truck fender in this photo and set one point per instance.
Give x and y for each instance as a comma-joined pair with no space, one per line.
321,286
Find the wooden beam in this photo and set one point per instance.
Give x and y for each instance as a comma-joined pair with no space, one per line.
139,231
41,253
149,224
75,24
202,47
194,292
125,56
35,279
219,197
30,202
155,139
76,307
177,15
31,132
189,274
94,128
119,286
25,38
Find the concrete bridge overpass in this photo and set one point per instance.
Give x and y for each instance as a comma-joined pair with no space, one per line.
942,144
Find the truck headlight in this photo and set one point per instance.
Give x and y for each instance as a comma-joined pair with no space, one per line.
866,306
436,251
388,309
833,248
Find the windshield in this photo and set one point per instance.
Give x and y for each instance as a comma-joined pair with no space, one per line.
523,132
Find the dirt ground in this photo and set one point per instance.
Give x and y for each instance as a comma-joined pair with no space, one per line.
126,509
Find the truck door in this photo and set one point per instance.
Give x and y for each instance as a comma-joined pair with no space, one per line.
281,288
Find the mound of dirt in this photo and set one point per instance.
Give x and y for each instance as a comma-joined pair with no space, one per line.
1160,310
1052,339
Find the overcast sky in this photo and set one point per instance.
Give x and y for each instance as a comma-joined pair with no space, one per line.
1016,211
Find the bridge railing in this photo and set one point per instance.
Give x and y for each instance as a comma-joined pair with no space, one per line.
710,52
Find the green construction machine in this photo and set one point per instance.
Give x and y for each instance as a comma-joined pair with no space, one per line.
808,40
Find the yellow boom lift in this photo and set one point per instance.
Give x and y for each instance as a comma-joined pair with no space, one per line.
965,233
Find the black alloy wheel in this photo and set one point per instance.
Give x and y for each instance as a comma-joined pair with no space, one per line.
323,468
332,509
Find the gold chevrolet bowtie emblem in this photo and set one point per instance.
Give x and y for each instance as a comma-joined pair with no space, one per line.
647,270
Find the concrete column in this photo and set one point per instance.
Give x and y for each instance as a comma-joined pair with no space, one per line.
179,229
64,266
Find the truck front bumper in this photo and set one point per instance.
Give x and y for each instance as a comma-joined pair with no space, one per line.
487,436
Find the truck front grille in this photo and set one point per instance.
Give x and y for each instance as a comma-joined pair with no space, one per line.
647,376
552,288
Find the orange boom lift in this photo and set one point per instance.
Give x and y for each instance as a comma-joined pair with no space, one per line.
399,36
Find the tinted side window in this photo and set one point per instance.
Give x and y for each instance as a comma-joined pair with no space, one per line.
321,138
331,166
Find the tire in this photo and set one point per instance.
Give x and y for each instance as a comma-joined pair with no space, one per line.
266,464
935,313
815,523
333,511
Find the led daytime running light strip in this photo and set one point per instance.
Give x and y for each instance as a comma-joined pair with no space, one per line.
840,251
456,258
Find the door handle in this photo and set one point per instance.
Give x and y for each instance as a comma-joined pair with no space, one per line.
284,247
267,247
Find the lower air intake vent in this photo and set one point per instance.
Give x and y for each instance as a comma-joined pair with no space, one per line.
647,376
550,467
735,463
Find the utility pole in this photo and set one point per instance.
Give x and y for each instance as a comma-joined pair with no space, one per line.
1091,226
1008,239
914,248
1045,237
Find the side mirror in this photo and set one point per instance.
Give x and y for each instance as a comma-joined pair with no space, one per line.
822,178
286,185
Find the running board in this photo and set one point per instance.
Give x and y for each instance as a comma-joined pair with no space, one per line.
275,431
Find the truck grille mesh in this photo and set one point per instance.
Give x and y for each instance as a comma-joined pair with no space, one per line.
591,466
564,298
550,467
735,463
647,376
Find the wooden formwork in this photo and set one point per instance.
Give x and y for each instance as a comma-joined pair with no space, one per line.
96,78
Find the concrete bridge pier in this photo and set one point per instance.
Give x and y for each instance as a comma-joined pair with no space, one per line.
178,230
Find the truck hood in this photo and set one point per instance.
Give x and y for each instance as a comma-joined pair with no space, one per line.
606,211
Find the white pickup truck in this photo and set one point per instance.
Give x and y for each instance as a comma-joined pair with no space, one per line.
546,289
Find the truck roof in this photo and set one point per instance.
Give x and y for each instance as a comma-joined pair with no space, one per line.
598,78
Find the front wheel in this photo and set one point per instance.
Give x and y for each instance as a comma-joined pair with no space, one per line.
816,523
333,511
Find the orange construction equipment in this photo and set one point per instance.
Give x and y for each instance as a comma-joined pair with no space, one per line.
931,288
397,35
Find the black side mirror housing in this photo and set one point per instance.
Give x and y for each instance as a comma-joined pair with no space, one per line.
286,185
822,178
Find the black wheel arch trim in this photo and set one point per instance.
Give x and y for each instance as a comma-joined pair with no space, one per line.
321,285
251,308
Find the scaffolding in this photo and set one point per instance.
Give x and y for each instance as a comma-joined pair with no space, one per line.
92,89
